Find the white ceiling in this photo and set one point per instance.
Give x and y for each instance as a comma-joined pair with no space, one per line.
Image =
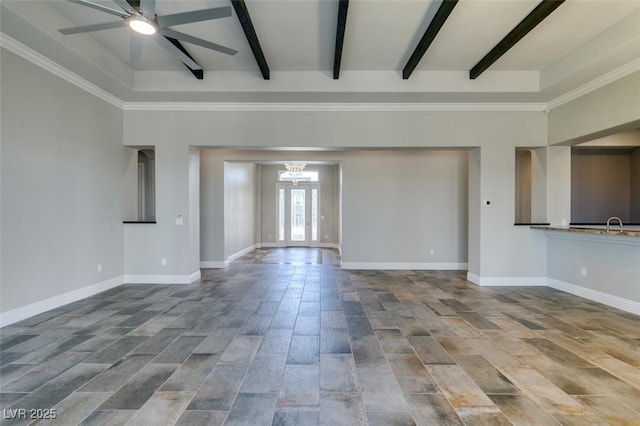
580,41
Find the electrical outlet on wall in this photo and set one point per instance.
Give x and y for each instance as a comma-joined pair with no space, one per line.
583,271
163,261
99,267
432,252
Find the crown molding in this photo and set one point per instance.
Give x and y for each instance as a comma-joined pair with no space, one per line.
281,106
595,84
42,61
47,64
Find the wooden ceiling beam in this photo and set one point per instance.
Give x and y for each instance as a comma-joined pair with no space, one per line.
199,74
445,9
343,6
537,15
247,26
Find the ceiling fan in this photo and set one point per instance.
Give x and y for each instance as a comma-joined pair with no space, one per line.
142,19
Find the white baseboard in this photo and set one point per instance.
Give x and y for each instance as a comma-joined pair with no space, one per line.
596,295
240,253
195,276
577,290
507,281
326,245
216,264
207,264
162,279
54,302
405,266
267,245
313,245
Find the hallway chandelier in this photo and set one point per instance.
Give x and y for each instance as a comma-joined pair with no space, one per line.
295,171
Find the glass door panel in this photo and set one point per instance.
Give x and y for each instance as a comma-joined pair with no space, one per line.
314,214
281,210
298,216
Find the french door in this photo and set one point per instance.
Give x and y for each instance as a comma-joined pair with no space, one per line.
297,215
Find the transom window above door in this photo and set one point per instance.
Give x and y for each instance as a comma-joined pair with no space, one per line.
303,176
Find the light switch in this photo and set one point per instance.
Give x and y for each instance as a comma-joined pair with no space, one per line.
179,220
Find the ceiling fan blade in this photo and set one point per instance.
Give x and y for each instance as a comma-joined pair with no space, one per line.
148,8
99,7
197,41
177,52
94,27
135,51
193,16
124,5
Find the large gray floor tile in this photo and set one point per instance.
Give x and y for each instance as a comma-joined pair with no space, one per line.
268,341
252,409
219,389
135,392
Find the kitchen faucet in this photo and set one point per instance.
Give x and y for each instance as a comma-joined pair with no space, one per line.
613,218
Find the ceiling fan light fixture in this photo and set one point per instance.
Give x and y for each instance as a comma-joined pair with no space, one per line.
142,25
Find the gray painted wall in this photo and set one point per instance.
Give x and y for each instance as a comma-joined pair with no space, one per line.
600,185
146,245
474,227
531,185
523,186
228,205
212,207
147,157
539,185
604,111
635,186
63,181
433,192
516,252
559,189
612,263
240,205
398,205
193,218
82,188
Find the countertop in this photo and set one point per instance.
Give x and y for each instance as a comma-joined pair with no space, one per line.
597,231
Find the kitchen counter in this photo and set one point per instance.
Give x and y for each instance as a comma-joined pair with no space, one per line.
634,232
593,263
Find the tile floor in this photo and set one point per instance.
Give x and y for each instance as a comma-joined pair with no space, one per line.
285,337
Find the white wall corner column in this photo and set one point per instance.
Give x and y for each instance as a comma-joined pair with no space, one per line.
239,208
539,185
509,255
165,251
194,212
475,216
212,218
559,193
